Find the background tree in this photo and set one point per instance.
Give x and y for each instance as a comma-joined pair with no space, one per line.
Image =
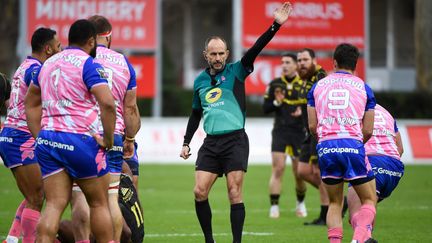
423,44
9,26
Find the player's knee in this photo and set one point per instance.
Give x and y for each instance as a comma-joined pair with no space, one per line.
35,201
302,172
80,218
278,173
234,194
200,193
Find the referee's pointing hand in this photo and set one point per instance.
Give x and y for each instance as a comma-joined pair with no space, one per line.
282,13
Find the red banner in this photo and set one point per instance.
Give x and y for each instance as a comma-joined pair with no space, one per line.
133,21
421,141
145,69
268,68
318,24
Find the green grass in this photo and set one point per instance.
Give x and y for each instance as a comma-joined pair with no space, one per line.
167,198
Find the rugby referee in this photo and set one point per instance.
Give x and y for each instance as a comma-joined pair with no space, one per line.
219,96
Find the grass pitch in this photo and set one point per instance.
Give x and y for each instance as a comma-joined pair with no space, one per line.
167,199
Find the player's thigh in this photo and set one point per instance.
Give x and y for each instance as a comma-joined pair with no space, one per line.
335,192
278,160
204,180
57,188
79,204
366,192
29,179
235,179
304,168
95,190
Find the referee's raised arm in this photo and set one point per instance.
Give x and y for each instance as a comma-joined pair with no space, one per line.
280,17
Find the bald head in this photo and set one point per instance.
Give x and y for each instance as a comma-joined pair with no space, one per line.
216,53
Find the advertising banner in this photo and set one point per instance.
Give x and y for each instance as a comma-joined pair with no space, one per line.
145,70
133,21
317,24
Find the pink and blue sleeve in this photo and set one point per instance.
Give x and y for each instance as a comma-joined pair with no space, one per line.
93,74
132,83
370,102
310,96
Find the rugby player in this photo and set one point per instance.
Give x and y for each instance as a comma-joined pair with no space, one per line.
341,116
283,98
62,108
122,82
17,144
383,151
310,72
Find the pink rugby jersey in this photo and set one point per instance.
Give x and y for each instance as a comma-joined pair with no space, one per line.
65,81
16,117
340,100
121,78
383,140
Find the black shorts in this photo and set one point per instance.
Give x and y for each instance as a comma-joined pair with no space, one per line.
221,154
308,152
287,141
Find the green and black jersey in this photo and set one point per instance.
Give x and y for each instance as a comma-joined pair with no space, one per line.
223,103
319,74
220,98
292,87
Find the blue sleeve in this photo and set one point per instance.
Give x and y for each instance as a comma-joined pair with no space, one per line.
35,76
30,72
370,102
396,129
310,96
132,83
93,74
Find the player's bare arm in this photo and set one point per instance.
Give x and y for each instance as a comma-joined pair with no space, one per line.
312,120
399,144
107,109
33,109
132,123
368,124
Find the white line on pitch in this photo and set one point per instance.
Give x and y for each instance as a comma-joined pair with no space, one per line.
200,234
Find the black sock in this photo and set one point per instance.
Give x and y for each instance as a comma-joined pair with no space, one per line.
323,213
300,195
274,199
204,215
238,214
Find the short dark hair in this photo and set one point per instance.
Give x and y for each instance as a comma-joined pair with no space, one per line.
346,56
290,54
41,37
80,32
101,24
5,87
214,37
308,50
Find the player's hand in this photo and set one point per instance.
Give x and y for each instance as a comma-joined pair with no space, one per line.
282,13
185,152
297,112
103,142
128,149
279,95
